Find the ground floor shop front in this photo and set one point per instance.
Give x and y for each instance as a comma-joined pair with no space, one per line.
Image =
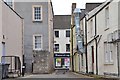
62,60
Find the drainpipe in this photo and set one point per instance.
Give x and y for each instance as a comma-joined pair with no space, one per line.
96,47
72,48
118,59
23,41
86,44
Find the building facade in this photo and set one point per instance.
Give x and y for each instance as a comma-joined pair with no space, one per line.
62,41
38,34
102,39
11,34
80,58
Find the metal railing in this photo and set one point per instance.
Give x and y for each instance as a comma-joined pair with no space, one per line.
14,64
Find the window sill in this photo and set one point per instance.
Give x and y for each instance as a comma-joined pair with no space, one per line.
37,49
110,63
37,21
56,51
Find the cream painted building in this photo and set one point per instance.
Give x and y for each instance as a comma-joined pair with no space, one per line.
103,38
62,41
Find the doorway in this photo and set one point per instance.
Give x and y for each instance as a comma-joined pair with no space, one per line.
92,48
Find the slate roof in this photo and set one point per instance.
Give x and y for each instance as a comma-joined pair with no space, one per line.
89,7
62,21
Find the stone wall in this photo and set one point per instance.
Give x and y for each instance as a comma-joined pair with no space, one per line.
42,62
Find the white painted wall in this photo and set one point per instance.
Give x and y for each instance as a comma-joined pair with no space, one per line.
101,30
113,25
62,40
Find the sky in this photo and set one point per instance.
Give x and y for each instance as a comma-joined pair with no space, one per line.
63,7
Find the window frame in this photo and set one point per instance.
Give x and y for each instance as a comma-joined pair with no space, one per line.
108,53
107,17
33,11
34,42
91,28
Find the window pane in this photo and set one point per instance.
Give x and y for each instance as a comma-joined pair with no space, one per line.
37,45
67,33
56,47
56,33
37,39
67,47
37,42
37,13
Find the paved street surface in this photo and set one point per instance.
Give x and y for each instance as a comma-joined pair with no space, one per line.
57,75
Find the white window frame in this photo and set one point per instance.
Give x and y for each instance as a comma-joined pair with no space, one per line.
91,27
34,13
34,42
108,53
107,17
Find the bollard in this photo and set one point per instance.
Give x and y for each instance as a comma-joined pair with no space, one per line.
23,70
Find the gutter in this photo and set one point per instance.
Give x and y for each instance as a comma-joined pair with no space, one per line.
118,59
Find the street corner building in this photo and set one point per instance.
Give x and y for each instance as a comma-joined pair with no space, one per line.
37,34
11,35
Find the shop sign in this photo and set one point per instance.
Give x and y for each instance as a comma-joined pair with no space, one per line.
62,55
